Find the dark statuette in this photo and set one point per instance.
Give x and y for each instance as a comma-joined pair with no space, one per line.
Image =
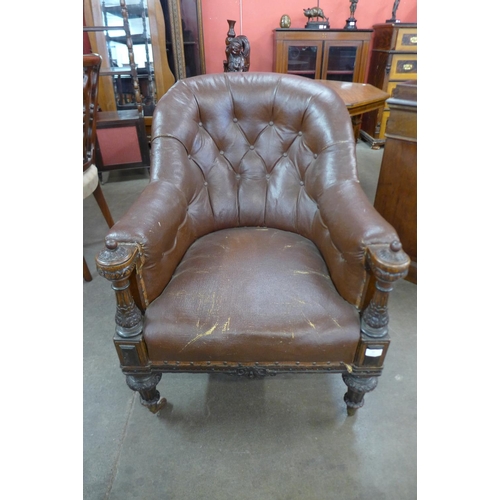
316,12
393,16
237,51
350,23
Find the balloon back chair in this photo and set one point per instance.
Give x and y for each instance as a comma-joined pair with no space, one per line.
253,250
91,185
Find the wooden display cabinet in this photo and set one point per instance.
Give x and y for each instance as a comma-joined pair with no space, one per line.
322,54
393,60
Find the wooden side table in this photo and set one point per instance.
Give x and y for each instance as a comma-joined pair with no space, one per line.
359,98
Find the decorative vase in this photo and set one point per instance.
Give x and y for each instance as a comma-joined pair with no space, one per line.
231,33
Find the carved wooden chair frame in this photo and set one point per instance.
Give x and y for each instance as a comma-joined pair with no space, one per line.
118,262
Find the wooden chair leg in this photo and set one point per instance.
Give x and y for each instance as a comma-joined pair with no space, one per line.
146,386
86,271
101,201
357,387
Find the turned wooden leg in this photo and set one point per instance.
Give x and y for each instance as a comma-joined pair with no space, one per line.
87,276
357,387
145,385
101,201
356,125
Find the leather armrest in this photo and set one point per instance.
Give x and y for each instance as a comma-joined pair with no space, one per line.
154,223
352,226
352,220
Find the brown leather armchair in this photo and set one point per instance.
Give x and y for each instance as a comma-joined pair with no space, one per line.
253,250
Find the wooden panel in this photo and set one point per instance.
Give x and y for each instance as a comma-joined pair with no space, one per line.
391,86
406,40
403,67
371,352
383,123
131,352
396,196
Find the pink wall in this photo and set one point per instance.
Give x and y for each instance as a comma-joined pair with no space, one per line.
259,18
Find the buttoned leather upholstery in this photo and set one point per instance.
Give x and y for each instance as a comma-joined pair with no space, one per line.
254,226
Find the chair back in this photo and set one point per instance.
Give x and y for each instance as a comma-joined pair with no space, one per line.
258,150
252,149
91,67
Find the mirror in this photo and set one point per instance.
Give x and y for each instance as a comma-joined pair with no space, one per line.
130,37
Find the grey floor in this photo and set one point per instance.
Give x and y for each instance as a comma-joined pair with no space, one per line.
281,438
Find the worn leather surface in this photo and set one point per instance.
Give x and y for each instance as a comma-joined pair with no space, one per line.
253,150
251,294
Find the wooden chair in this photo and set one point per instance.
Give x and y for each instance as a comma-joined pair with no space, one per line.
253,251
91,67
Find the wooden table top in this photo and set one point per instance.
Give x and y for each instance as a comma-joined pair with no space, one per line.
359,98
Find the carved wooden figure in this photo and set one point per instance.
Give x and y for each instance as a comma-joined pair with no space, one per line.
237,51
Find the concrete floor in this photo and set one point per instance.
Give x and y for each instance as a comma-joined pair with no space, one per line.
281,438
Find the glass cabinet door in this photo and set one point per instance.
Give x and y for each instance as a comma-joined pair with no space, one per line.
304,59
136,16
130,37
340,61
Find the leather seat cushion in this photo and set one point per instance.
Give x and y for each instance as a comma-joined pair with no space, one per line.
252,295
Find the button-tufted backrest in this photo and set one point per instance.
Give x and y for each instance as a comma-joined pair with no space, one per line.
257,149
252,149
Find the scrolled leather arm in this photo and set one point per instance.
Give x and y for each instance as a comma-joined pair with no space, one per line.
388,263
353,222
140,241
153,223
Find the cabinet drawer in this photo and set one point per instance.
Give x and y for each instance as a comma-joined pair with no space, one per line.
407,40
403,67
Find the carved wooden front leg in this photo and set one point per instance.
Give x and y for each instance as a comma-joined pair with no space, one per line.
146,386
116,263
388,264
357,387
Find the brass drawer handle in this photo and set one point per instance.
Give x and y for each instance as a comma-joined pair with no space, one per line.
413,39
407,67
